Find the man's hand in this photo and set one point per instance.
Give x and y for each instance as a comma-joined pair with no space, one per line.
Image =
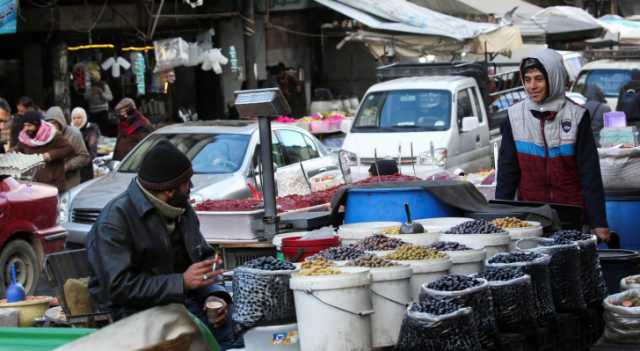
216,317
200,274
46,157
601,233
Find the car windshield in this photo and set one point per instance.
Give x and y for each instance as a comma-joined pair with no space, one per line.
209,153
609,80
404,110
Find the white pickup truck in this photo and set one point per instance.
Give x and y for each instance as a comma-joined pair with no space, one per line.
426,122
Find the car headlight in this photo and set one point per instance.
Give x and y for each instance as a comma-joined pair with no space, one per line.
63,208
348,159
436,158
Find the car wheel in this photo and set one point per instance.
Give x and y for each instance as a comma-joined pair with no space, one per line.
22,254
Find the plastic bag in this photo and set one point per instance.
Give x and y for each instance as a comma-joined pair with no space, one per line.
170,53
565,275
622,324
449,332
514,309
620,167
261,297
538,270
593,284
480,300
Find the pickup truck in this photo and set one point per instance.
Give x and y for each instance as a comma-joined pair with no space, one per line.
434,117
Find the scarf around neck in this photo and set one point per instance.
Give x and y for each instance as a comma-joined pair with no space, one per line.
44,136
133,123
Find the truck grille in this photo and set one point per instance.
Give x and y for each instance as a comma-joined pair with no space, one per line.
85,215
403,161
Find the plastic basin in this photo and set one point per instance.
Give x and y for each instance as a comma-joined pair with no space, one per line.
296,250
617,264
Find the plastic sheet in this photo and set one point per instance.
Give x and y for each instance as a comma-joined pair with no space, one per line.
515,306
261,297
538,270
622,324
480,300
449,332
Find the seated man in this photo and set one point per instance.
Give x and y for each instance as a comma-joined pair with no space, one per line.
146,248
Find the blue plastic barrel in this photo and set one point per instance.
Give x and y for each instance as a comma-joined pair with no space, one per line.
387,204
623,215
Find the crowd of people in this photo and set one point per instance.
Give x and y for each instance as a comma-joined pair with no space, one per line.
68,143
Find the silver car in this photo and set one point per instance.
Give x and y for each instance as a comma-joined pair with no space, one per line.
224,156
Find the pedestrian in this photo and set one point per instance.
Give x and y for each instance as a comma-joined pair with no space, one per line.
5,126
24,104
548,153
90,135
629,99
80,159
133,127
597,106
98,97
40,137
146,249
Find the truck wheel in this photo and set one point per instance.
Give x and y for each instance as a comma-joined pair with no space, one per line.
22,254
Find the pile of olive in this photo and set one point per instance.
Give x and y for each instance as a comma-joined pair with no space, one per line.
371,261
448,246
269,263
571,235
391,230
378,243
479,226
414,252
340,253
515,257
501,273
510,222
318,266
454,282
435,306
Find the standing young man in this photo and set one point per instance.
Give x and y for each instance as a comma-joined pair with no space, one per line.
548,153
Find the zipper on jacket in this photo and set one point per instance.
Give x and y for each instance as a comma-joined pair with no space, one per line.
547,190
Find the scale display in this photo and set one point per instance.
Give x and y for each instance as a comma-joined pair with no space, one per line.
261,103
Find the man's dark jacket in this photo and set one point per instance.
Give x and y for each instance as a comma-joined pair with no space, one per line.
131,258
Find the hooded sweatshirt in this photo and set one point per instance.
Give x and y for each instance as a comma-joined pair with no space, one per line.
80,157
548,153
597,106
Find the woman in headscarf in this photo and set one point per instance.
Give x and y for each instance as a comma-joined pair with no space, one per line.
597,106
90,134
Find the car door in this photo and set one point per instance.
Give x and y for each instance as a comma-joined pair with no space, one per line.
469,139
276,155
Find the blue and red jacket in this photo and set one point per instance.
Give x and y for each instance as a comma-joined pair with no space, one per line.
551,157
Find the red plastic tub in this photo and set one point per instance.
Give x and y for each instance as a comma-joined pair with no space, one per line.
296,250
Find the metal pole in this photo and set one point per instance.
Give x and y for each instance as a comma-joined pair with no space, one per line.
269,185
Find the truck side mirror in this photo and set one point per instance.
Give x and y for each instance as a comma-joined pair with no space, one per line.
469,124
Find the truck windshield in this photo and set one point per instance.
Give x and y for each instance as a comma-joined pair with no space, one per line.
209,153
404,110
609,80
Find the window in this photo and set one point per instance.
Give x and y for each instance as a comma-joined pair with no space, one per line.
609,80
463,104
404,110
476,103
276,153
209,153
295,147
311,146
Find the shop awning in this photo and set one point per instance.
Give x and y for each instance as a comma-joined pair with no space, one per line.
412,31
475,8
567,23
627,31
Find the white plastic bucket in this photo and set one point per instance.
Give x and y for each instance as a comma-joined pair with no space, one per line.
272,338
467,261
351,233
421,239
534,231
390,294
441,224
334,311
492,243
626,286
426,271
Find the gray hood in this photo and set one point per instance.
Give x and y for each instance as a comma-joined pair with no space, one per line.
55,113
556,80
593,92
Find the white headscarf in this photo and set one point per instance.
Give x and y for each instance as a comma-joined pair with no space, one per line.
83,114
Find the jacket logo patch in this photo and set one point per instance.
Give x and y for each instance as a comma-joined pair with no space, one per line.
566,125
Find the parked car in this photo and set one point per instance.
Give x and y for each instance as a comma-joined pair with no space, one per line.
609,75
225,158
29,229
427,122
